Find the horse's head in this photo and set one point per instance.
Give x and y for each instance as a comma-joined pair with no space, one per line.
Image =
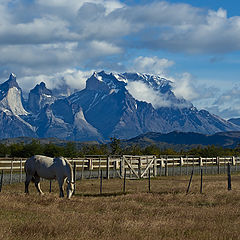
70,189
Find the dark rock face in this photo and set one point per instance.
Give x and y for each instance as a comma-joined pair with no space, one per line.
39,97
104,109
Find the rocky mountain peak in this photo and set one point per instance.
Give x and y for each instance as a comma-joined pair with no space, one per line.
12,77
41,89
10,83
39,96
11,97
105,108
154,81
104,82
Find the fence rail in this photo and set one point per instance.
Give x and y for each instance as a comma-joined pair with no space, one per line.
136,167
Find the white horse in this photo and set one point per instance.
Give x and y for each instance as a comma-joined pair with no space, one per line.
50,168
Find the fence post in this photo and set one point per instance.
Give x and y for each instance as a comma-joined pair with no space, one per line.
218,165
74,177
189,182
212,166
124,181
101,180
173,168
99,167
229,177
155,166
1,183
201,185
122,166
139,167
108,167
233,161
181,164
11,171
160,167
149,180
200,164
82,168
21,172
166,168
90,167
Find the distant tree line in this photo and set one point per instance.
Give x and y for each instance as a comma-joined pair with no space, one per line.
113,148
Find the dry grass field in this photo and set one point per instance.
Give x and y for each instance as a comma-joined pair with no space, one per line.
165,213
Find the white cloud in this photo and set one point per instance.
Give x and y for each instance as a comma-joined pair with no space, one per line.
76,79
183,87
151,65
75,5
227,104
142,92
45,38
103,28
104,48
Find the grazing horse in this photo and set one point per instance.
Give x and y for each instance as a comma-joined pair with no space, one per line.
58,168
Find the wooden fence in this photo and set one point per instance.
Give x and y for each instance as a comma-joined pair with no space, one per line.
136,167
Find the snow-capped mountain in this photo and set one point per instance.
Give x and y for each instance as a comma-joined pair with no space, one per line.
11,97
105,108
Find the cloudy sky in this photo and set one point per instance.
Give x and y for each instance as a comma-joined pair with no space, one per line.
195,43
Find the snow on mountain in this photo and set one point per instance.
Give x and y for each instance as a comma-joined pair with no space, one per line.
109,107
11,97
83,130
105,108
160,90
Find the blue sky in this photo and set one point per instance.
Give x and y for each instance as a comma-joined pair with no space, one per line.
194,43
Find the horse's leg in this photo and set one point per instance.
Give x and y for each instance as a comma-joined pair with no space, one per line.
28,180
37,184
60,183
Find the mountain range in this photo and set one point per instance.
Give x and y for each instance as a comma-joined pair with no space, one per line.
104,109
177,139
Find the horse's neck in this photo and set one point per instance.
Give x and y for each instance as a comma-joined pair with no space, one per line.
69,171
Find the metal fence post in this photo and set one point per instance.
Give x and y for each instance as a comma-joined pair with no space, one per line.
1,183
74,177
149,180
108,167
124,181
139,167
101,181
201,185
189,184
229,177
21,172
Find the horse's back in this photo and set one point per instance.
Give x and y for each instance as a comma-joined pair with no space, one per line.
41,165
